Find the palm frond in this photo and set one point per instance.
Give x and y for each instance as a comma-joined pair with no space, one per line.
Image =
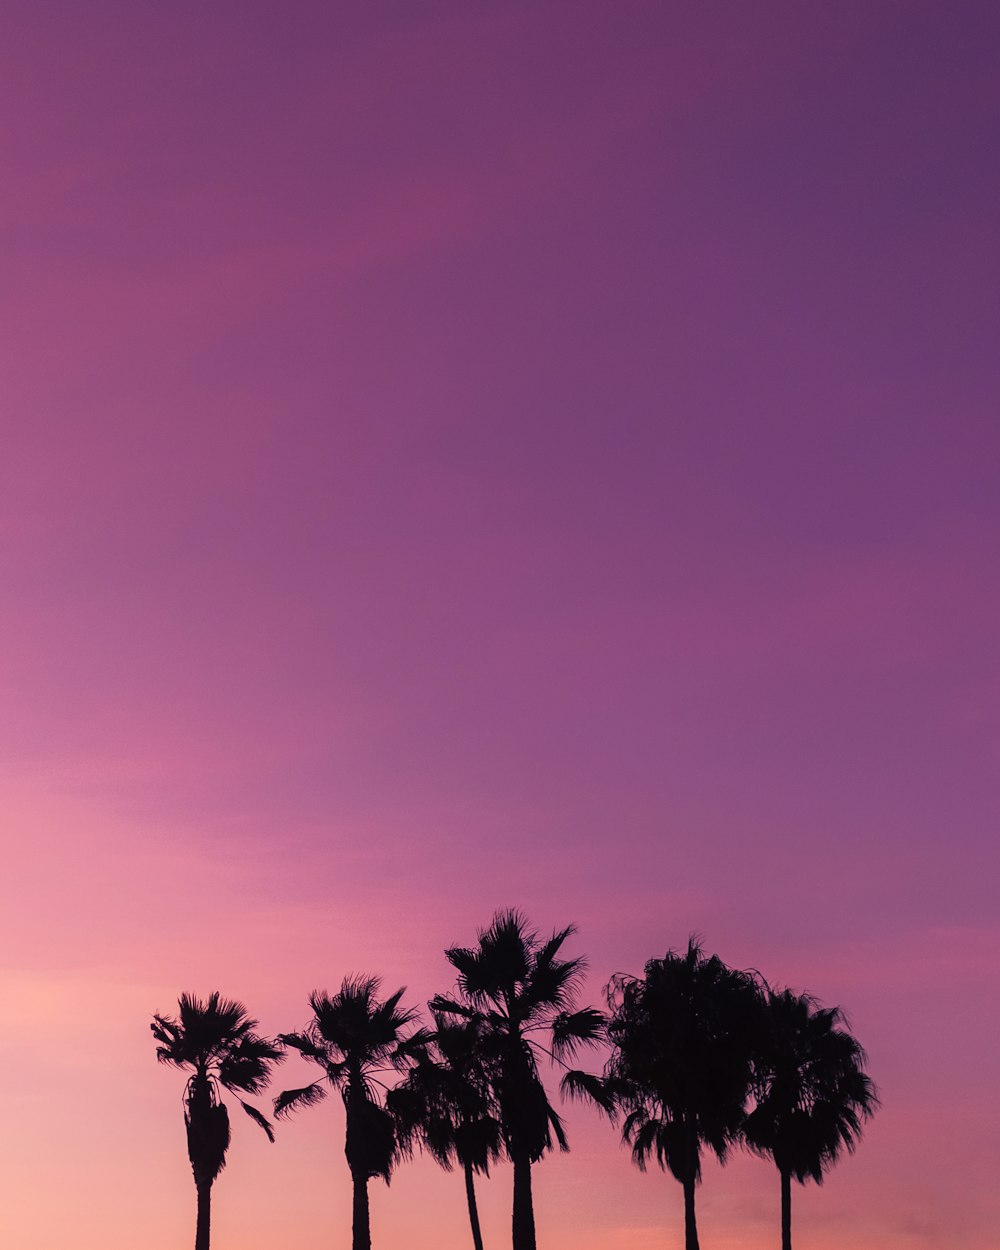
571,1029
247,1065
290,1100
555,1120
304,1044
641,1133
257,1118
443,1005
410,1048
587,1087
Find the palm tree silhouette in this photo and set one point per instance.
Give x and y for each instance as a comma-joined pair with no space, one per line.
446,1105
357,1039
216,1041
812,1093
518,990
681,1063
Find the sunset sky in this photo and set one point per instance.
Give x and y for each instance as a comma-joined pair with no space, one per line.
466,453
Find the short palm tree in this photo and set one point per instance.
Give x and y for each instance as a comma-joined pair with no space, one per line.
812,1093
446,1105
215,1040
682,1041
358,1040
519,991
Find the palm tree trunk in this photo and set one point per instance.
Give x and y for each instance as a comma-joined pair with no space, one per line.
204,1225
786,1211
690,1226
470,1193
361,1228
524,1213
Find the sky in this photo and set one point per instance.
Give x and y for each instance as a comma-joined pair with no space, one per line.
461,455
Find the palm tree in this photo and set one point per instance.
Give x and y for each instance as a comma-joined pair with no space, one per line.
812,1093
518,990
681,1063
216,1041
357,1039
446,1105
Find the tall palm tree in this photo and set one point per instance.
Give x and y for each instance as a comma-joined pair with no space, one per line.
446,1105
682,1039
812,1093
358,1040
520,991
216,1041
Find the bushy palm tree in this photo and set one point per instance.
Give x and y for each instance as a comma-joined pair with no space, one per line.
812,1093
215,1040
682,1039
446,1105
521,993
358,1040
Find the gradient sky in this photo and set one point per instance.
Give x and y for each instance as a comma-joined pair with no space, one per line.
471,454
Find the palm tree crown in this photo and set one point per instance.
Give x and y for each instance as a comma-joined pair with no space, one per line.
358,1040
812,1093
216,1041
446,1105
681,1062
521,993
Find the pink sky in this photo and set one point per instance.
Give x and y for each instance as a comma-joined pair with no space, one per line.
459,455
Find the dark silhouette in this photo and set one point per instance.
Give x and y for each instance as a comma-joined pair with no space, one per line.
516,987
446,1105
681,1063
812,1092
357,1039
216,1041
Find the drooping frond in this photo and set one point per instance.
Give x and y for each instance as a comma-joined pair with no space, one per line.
586,1087
641,1132
290,1100
257,1118
558,1131
407,1106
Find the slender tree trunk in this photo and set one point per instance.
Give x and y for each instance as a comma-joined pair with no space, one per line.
690,1226
203,1228
470,1193
361,1228
524,1213
786,1211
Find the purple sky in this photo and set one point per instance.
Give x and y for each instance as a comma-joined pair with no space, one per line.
462,454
